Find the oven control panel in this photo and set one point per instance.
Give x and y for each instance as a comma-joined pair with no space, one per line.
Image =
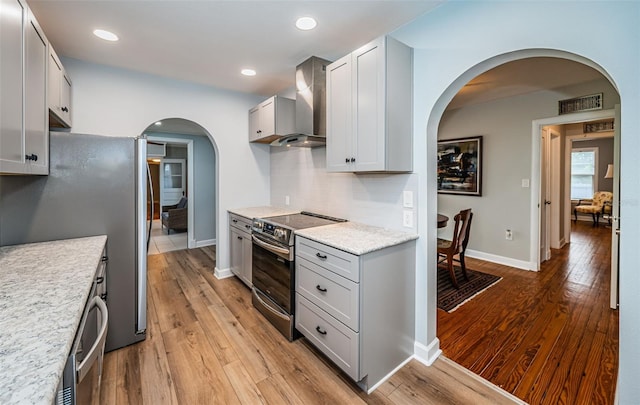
274,232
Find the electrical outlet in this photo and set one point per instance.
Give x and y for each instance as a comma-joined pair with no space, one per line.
286,200
508,235
407,219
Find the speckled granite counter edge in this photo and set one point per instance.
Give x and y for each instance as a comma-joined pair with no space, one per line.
262,212
356,238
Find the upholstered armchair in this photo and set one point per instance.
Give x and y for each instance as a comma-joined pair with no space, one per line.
600,204
175,216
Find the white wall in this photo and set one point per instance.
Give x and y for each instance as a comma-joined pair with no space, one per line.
505,125
117,102
375,199
461,39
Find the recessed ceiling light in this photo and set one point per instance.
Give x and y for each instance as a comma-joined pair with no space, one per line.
158,123
106,35
306,23
248,72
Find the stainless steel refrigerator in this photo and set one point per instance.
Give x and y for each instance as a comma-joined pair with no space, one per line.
96,185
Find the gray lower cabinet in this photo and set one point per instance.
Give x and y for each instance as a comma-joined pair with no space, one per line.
240,247
357,310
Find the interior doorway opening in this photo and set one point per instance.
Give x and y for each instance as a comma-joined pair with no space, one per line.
512,193
184,156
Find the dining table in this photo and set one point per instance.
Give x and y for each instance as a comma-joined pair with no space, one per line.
442,220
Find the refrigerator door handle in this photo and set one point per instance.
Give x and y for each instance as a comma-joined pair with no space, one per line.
150,185
141,235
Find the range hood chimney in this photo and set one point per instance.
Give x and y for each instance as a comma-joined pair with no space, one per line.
311,105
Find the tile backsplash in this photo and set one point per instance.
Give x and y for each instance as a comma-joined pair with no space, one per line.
375,199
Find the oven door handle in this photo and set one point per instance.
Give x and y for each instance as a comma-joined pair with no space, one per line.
270,247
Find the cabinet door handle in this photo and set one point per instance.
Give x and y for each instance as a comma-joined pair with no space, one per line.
320,288
32,156
320,331
258,132
319,256
104,259
239,237
346,160
99,280
353,160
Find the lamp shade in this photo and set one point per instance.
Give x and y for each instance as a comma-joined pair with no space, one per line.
609,174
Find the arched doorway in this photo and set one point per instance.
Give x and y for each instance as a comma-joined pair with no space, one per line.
533,166
190,150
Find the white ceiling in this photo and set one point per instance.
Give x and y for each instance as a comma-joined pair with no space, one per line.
208,42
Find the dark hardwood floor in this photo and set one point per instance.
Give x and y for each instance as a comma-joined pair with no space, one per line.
547,337
206,344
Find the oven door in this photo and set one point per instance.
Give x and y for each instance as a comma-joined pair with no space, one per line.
272,278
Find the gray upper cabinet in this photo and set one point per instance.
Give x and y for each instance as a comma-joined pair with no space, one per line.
59,93
24,137
271,119
369,109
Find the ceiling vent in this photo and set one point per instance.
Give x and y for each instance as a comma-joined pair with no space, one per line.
579,104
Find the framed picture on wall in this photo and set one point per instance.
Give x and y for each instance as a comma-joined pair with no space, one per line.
460,166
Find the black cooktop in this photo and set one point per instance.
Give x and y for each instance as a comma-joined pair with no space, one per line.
302,220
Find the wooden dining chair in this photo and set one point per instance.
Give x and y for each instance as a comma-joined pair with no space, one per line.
449,249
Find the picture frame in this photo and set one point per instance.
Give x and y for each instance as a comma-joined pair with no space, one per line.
460,166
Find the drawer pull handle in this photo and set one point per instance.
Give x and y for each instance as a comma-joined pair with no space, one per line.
320,288
247,226
239,237
319,256
320,331
235,221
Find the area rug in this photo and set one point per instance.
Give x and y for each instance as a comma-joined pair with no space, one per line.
450,298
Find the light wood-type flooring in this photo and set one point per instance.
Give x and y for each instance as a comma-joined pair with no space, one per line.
548,337
206,344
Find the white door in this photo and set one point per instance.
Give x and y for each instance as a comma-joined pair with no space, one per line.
172,181
545,191
615,212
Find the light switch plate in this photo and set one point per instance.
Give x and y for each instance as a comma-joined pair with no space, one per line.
525,183
286,200
407,199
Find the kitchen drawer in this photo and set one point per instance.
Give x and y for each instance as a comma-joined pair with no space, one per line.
240,222
340,262
331,292
331,337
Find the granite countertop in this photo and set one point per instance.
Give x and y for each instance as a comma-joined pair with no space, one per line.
43,290
356,238
263,212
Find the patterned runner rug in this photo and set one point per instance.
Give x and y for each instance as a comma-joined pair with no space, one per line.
450,298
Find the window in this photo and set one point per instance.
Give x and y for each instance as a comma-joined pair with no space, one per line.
584,181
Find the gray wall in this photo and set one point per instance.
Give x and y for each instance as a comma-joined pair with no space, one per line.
203,189
505,125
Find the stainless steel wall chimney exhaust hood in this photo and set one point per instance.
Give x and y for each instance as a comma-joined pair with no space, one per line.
311,105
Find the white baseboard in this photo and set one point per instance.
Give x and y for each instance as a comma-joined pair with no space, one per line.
222,273
427,354
206,242
507,261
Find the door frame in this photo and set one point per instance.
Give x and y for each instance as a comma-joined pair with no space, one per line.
536,130
191,242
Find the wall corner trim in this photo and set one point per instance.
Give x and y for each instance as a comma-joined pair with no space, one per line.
224,273
427,354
